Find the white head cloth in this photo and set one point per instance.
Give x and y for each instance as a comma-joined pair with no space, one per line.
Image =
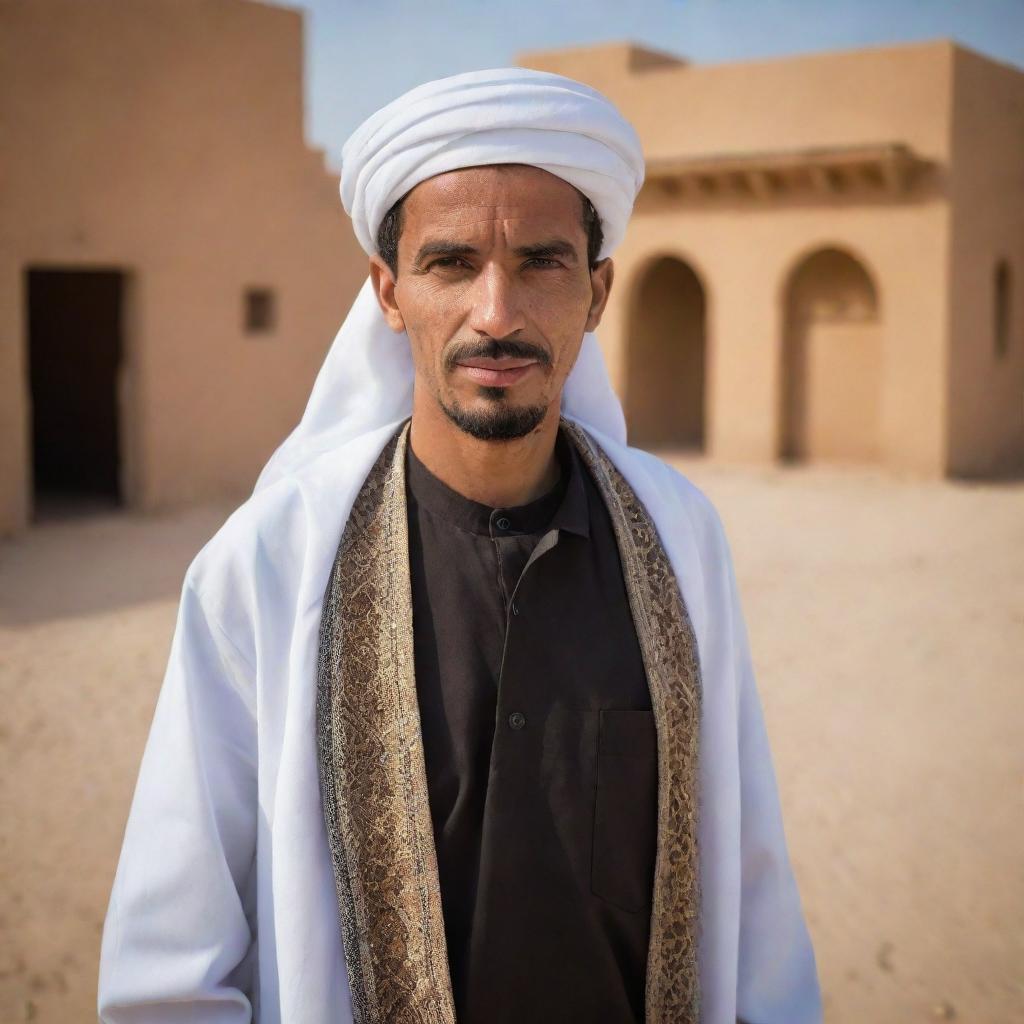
506,115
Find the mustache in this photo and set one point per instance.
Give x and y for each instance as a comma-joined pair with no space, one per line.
495,348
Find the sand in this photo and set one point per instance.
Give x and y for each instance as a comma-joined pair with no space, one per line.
886,619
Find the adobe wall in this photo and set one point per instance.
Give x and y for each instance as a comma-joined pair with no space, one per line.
812,100
745,264
165,138
744,251
986,390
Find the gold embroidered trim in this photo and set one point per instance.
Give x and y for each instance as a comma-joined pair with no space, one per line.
373,774
669,649
372,771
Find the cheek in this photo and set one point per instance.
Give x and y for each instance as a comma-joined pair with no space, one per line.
562,314
570,349
431,316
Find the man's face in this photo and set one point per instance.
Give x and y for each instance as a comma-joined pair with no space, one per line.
495,292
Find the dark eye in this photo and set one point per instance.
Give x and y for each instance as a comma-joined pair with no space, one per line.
449,262
542,262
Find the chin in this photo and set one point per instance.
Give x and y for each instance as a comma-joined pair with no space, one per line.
496,419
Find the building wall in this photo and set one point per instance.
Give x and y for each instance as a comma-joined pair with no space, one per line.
165,138
744,252
986,391
746,267
807,101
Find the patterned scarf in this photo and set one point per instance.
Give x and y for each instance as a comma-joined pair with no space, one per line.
373,774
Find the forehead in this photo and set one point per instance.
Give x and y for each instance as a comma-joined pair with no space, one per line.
514,192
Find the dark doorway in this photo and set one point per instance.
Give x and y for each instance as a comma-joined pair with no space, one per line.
75,343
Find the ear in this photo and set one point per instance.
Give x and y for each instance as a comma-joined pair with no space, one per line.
384,287
600,285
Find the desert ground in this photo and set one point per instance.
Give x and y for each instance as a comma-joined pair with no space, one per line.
886,619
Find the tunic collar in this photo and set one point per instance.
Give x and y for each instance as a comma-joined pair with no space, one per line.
564,507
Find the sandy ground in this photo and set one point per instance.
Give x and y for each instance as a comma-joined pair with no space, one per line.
886,618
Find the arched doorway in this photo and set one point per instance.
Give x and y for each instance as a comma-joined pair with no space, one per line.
832,361
665,357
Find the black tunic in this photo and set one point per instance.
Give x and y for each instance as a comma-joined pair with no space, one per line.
540,750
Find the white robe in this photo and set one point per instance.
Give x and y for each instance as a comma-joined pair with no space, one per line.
224,905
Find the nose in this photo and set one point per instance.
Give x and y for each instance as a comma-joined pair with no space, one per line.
497,310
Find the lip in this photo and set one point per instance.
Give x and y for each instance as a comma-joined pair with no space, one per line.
496,372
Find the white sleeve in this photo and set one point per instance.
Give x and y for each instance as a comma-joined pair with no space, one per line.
179,938
777,981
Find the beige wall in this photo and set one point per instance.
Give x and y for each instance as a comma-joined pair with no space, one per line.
746,264
986,392
165,138
745,250
816,100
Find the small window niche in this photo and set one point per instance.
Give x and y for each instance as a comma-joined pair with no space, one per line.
260,310
1001,311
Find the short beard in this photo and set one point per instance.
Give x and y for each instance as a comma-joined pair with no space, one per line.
499,423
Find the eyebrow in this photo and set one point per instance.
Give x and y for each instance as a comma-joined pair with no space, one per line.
443,247
552,248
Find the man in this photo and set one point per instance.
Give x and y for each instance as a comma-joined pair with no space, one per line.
459,721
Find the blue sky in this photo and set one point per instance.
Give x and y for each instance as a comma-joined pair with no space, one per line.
362,53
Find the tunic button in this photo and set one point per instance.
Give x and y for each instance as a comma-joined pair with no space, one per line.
515,608
503,523
517,720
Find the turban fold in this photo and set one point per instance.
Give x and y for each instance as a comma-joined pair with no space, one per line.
505,115
509,115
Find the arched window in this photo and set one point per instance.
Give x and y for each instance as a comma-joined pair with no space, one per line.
1002,287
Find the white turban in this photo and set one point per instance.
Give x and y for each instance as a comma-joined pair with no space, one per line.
510,115
506,115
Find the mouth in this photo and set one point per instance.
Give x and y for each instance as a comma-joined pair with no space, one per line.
495,373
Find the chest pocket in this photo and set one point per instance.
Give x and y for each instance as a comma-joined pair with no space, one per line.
626,809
